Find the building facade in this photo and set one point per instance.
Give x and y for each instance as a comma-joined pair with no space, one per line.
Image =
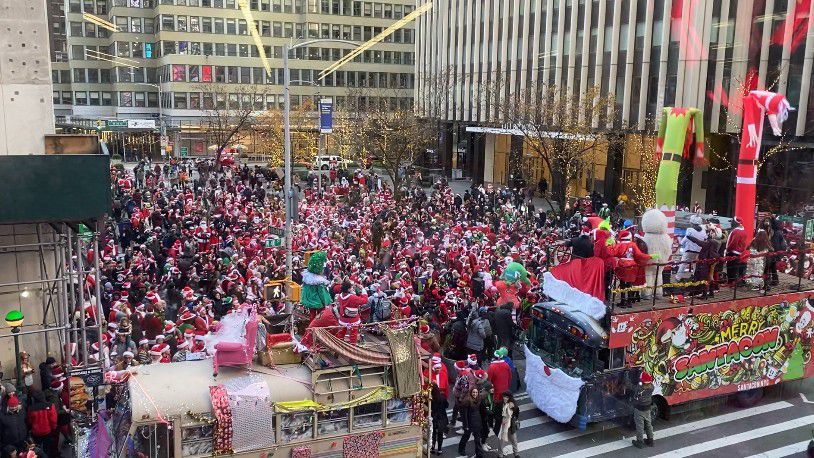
188,47
648,54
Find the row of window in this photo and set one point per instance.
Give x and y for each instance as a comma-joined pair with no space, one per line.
231,75
206,100
384,10
278,29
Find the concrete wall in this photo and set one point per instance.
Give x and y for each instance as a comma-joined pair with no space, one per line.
26,105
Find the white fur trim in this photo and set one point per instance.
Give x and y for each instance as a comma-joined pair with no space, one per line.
309,278
556,394
561,291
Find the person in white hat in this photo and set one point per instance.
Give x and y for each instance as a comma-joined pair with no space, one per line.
691,249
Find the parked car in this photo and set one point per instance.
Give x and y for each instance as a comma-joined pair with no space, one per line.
324,162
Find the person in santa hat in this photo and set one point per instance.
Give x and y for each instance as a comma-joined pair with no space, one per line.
191,320
143,352
329,318
629,265
463,383
349,304
438,374
181,354
428,339
642,401
737,246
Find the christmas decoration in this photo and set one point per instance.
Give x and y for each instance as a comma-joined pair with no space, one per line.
579,284
675,130
756,105
552,390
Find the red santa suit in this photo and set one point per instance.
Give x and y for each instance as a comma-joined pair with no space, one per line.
630,259
438,374
738,243
349,305
326,319
500,374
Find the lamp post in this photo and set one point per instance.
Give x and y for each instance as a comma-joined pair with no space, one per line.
161,128
14,319
288,192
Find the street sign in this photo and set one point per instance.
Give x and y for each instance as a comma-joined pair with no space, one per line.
141,123
116,124
184,151
278,231
91,376
165,140
326,123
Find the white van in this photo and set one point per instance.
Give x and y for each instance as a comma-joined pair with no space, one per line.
324,162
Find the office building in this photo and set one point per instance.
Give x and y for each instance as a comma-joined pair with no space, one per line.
185,47
648,54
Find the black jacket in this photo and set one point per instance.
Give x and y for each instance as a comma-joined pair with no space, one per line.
13,429
582,247
642,397
503,327
473,415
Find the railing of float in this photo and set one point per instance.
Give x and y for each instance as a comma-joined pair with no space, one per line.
714,279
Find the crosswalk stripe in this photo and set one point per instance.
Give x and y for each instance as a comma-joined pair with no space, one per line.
528,423
681,429
518,398
740,437
784,451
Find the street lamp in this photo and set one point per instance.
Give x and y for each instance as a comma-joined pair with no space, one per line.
14,319
161,128
288,192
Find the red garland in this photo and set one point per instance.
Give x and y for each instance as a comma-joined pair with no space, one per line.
222,440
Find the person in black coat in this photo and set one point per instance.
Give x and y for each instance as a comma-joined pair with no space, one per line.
13,428
46,372
582,246
440,421
473,413
503,327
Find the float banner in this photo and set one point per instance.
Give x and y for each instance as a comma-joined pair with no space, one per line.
326,115
715,349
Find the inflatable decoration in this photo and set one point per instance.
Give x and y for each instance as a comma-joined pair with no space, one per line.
510,284
674,140
756,106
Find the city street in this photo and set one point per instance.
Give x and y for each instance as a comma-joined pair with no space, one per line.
780,425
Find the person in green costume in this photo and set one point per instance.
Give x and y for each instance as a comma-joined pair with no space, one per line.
314,295
673,144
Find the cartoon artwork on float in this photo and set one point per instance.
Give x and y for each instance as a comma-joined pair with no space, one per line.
720,348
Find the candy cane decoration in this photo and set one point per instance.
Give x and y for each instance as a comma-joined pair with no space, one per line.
756,106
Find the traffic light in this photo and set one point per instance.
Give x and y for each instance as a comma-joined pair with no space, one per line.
281,290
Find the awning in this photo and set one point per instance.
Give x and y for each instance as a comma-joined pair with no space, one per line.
516,131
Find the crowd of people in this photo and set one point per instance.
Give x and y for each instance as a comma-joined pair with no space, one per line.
188,242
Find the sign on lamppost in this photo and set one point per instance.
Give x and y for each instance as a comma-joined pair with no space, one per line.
326,122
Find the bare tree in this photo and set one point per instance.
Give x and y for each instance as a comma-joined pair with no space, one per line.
228,115
396,136
270,130
557,125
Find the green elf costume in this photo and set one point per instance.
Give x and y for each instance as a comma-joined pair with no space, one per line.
315,294
674,140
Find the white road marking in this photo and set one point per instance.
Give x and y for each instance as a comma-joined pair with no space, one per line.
681,429
784,451
738,438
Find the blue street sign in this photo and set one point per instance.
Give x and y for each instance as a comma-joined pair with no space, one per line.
326,121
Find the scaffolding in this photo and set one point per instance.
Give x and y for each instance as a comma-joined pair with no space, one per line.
59,280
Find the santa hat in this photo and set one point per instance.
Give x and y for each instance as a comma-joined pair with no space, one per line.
200,335
480,374
128,354
155,350
625,236
436,358
436,366
472,359
112,326
160,336
169,328
189,333
424,329
152,297
12,402
143,342
461,365
646,378
183,344
187,315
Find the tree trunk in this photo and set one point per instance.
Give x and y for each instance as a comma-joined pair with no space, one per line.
559,183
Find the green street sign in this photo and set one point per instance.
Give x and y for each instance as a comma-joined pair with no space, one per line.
184,151
809,233
116,124
273,242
